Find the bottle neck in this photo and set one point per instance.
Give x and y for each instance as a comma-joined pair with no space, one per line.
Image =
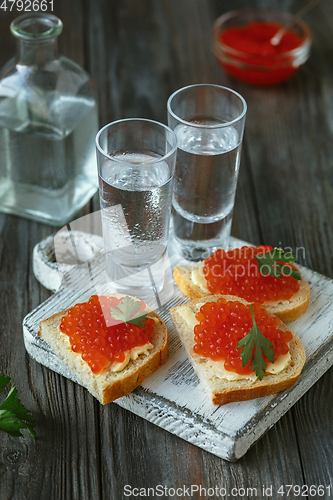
37,53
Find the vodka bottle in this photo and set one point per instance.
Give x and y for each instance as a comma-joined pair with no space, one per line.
48,122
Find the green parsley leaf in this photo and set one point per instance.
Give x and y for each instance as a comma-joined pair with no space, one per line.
256,347
128,311
270,263
13,415
4,381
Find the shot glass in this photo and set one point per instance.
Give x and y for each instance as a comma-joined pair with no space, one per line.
208,121
136,162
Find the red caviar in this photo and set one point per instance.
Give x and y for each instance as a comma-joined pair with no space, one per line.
99,338
263,63
237,273
223,324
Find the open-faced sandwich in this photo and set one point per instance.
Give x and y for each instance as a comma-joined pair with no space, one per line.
257,274
112,343
238,350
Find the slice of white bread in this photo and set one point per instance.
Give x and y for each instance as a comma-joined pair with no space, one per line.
286,310
224,391
107,385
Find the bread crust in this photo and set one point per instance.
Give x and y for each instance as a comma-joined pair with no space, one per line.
224,391
286,310
182,277
107,386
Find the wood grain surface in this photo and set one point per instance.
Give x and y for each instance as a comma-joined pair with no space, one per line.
138,52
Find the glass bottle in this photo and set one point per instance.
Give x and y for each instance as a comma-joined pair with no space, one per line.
48,123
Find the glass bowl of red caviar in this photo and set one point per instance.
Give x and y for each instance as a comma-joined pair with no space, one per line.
242,45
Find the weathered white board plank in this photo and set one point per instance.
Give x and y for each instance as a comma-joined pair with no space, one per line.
173,398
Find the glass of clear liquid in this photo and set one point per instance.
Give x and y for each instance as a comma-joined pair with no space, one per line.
136,162
208,121
48,123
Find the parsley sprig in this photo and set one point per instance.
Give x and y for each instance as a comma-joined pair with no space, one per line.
256,347
273,263
13,415
129,311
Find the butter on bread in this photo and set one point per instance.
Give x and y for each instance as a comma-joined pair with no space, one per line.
286,310
108,385
222,390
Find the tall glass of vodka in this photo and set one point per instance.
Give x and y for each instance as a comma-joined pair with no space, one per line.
208,121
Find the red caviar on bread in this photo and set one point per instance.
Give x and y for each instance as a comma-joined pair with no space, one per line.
257,274
236,272
110,344
98,337
222,324
202,342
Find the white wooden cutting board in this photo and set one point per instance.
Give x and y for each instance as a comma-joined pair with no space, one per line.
173,398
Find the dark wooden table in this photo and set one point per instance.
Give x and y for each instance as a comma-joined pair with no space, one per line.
139,52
